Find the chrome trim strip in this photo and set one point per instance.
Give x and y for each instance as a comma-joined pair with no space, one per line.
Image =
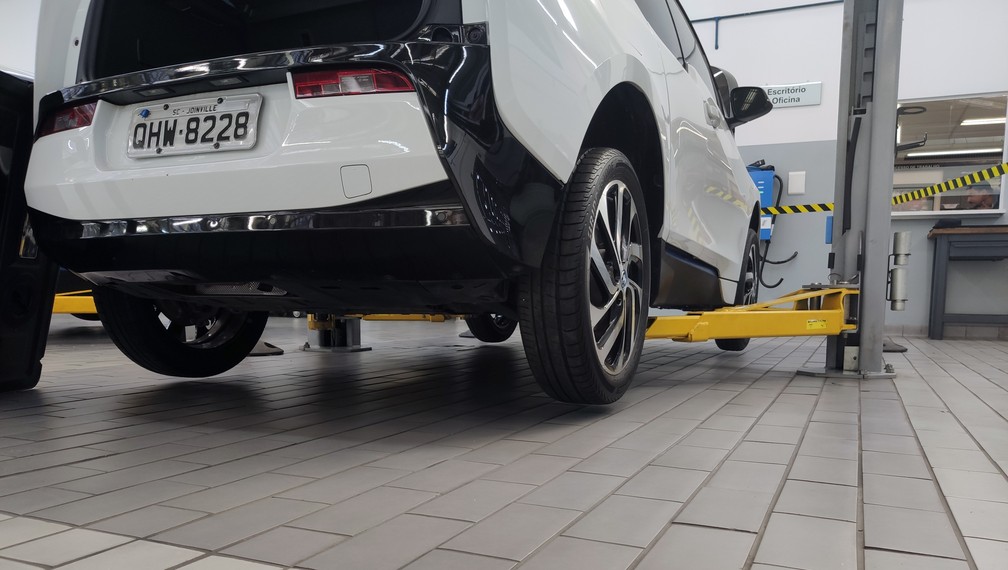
429,217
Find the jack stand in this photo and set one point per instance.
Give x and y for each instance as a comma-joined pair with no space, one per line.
334,334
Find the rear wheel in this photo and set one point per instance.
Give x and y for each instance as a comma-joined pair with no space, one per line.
491,327
748,289
178,339
583,314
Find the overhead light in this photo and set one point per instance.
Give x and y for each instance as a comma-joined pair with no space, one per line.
978,122
954,152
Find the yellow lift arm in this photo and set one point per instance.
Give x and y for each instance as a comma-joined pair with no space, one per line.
811,312
74,303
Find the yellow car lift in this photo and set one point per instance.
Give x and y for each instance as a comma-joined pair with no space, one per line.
813,311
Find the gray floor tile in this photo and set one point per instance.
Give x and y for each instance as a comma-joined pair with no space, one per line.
419,457
577,445
961,459
148,521
717,439
895,464
12,565
666,483
116,480
64,547
632,521
890,443
225,563
829,447
217,531
902,492
342,486
389,546
117,502
566,552
988,554
699,548
818,500
38,499
882,560
367,510
727,508
572,490
451,560
513,533
234,470
17,530
533,469
760,452
747,476
774,434
689,457
284,546
332,463
501,452
239,493
808,542
137,554
909,530
973,485
445,476
825,470
474,501
614,461
981,519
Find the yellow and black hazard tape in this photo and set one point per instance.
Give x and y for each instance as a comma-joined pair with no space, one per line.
947,186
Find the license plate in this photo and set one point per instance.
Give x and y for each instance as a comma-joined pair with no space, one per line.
214,124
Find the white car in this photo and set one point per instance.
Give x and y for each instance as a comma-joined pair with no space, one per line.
560,164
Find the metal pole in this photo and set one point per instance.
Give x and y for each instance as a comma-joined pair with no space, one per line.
869,80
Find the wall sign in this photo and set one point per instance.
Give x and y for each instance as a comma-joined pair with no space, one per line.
796,95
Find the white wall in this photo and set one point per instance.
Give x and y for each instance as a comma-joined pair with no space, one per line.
18,29
949,49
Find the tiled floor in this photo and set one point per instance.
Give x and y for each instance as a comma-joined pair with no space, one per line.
437,452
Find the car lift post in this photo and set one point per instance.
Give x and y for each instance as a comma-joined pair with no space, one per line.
869,80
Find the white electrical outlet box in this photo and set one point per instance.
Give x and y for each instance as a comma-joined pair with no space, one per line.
796,183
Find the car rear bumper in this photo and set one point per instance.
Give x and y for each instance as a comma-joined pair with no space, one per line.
507,197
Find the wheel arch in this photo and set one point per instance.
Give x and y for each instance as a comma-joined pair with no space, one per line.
625,121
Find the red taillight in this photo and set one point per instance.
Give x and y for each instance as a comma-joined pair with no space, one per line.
66,119
310,84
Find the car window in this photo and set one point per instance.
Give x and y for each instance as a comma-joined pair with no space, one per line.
692,51
657,14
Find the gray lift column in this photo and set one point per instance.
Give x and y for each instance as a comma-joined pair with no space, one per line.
869,81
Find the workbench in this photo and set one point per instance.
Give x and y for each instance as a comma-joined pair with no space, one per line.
965,243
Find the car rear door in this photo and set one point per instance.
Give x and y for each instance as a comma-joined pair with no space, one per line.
27,278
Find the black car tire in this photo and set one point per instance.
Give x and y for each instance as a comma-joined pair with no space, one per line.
154,334
748,289
491,327
583,313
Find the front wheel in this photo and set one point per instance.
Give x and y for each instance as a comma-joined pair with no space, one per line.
491,327
178,339
748,289
583,313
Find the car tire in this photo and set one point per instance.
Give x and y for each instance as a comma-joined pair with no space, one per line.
491,327
748,289
178,339
583,313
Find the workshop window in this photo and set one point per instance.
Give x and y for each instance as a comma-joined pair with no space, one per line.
943,139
